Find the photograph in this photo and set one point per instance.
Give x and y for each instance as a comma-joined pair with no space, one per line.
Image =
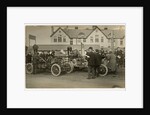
75,56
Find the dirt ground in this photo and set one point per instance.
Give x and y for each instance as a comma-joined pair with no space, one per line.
76,79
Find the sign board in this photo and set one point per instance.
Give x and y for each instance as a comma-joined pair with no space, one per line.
32,37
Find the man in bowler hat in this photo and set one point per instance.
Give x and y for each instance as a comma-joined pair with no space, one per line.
91,63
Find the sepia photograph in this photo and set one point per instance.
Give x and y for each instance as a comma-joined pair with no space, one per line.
75,56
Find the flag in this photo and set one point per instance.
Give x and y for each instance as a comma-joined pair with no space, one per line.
82,49
31,37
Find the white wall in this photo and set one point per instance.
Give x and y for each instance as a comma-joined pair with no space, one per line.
57,34
101,35
117,43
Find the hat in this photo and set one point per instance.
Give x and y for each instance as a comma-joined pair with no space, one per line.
110,51
97,50
91,48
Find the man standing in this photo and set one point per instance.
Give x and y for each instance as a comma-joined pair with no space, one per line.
97,62
35,48
26,49
35,62
28,57
91,63
118,56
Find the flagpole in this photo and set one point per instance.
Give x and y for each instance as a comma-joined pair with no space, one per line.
112,40
29,41
81,48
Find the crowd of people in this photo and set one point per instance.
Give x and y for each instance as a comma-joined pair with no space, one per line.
43,54
114,59
95,58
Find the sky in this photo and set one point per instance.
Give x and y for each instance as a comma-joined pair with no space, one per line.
43,33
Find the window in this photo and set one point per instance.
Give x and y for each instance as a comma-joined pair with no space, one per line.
71,41
55,39
84,40
91,39
108,46
96,38
59,31
59,39
64,39
121,42
102,40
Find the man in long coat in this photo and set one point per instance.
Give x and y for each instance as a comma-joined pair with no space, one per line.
90,56
112,65
35,62
98,62
28,58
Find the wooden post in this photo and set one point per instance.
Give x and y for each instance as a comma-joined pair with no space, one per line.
29,42
81,48
76,41
35,40
112,40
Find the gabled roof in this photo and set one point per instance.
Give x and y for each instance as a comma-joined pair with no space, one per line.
74,33
57,30
117,34
99,30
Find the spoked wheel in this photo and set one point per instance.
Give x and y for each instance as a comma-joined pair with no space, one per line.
69,67
55,69
103,70
29,68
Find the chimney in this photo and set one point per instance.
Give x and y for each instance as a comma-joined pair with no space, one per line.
105,28
76,27
66,28
93,27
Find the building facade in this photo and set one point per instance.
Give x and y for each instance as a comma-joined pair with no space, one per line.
88,37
